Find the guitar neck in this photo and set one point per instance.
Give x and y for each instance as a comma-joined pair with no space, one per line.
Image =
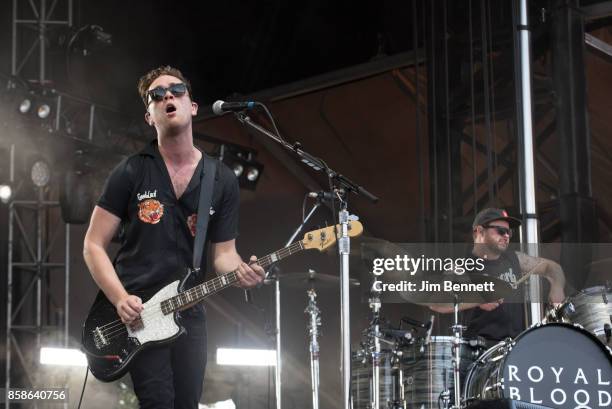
200,292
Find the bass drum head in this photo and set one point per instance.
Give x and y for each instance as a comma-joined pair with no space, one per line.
556,365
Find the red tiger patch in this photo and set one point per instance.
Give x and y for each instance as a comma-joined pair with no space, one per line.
150,211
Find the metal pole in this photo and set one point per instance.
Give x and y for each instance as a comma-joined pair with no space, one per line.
14,42
531,225
67,286
278,370
39,266
345,322
277,295
42,28
9,300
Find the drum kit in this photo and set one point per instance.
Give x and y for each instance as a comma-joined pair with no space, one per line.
565,361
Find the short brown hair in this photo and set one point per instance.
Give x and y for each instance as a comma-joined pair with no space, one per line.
145,81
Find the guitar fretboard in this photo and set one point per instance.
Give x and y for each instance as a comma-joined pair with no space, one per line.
213,286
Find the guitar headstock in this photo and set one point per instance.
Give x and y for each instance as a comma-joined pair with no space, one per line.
324,238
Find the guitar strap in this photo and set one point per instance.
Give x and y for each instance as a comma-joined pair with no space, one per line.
207,185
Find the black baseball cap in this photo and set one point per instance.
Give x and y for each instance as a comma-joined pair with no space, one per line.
490,214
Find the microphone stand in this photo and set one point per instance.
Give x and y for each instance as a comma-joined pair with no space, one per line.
343,245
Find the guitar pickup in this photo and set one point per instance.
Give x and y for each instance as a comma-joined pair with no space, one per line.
100,339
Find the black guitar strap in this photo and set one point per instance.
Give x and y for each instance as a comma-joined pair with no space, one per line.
207,185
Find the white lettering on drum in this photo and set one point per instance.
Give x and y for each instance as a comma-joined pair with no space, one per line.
557,374
599,381
553,394
580,375
601,395
532,398
514,393
531,378
582,405
512,370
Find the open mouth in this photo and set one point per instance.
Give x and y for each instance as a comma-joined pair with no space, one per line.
170,108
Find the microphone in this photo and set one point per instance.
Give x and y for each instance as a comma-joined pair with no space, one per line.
414,323
321,195
397,333
221,107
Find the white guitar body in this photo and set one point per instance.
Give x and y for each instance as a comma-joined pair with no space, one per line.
156,326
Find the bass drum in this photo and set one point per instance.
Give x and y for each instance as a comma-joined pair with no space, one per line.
428,370
362,385
556,365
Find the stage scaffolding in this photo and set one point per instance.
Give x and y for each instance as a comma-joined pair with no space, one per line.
34,232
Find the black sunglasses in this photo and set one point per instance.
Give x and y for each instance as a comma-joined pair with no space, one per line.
500,229
158,93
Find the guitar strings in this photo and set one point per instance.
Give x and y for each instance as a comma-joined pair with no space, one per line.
156,313
115,328
120,328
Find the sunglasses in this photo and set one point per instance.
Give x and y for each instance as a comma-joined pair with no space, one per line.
158,93
500,230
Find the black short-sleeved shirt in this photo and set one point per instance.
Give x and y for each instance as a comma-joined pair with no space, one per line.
159,229
507,320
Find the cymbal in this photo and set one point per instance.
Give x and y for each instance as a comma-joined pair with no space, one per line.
310,279
446,288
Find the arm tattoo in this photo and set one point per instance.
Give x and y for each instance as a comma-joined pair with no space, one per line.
529,263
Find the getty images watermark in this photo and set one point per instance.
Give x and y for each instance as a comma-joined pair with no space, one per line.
402,265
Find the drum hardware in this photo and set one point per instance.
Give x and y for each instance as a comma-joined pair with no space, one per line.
376,335
314,322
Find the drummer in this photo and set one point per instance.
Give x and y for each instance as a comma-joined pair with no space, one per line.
491,232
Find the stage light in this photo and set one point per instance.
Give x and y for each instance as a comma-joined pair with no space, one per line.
40,173
43,111
246,357
6,193
252,174
242,162
62,356
238,169
25,105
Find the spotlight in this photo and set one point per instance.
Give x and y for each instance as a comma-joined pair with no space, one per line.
238,169
43,111
252,174
62,356
241,161
246,357
6,192
25,106
40,173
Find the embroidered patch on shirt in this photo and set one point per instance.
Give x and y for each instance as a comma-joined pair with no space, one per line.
191,223
150,211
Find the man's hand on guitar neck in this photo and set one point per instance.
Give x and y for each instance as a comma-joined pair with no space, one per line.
250,275
129,308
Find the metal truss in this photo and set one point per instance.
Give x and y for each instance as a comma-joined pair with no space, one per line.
29,312
30,26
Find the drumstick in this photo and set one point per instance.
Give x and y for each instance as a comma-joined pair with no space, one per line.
526,275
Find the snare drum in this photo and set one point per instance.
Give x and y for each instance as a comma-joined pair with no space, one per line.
428,369
556,365
592,308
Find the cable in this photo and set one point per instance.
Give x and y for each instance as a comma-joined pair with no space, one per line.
83,390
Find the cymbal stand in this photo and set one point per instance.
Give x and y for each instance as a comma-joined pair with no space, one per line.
374,346
314,323
457,340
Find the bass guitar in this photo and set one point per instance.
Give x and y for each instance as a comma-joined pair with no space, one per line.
110,345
